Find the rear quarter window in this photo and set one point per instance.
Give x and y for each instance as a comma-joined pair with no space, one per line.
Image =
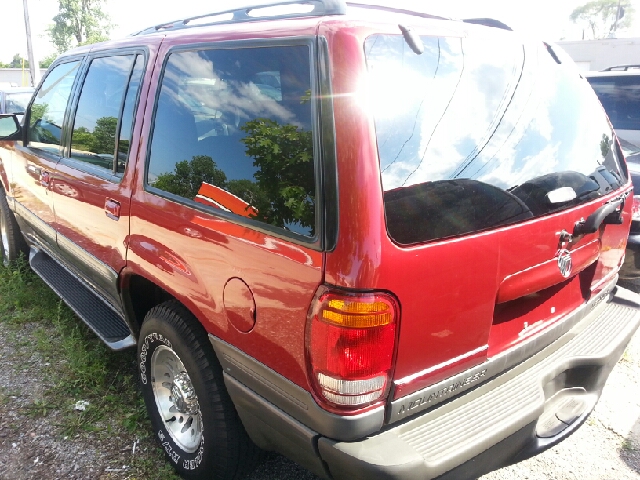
233,133
477,133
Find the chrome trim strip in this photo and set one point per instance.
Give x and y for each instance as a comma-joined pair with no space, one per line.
429,370
452,386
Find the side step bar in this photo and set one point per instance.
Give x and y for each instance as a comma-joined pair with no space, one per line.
99,317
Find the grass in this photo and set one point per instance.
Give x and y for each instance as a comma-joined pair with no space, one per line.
79,367
627,444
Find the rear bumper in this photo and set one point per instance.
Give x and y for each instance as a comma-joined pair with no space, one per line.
514,415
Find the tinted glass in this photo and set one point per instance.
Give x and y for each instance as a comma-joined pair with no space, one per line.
620,97
16,102
96,122
128,114
47,110
233,132
481,132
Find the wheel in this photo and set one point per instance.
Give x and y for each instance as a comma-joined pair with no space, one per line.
191,412
13,243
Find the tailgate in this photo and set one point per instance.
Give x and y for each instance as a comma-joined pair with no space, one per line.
506,198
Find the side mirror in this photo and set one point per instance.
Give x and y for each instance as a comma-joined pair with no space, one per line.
9,127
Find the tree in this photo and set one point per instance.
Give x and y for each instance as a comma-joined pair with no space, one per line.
17,60
283,155
48,60
599,16
79,22
188,176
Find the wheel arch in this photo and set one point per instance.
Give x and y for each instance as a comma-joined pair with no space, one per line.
139,295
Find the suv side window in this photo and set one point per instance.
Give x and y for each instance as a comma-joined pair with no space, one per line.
48,108
233,133
99,110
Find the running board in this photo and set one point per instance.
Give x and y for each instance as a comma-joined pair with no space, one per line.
99,317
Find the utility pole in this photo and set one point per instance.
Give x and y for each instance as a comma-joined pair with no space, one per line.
34,68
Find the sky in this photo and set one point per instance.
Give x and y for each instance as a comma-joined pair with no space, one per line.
548,19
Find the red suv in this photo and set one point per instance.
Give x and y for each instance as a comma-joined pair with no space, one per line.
381,243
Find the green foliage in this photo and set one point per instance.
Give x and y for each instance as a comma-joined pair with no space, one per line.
283,155
187,177
79,22
283,191
48,60
17,60
101,141
104,135
599,16
78,366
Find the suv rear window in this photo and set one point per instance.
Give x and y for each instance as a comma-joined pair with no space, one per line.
476,133
620,97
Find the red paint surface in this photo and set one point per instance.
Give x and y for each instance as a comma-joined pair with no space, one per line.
447,290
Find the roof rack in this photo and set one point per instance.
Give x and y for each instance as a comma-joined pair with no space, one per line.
320,8
488,22
403,11
621,68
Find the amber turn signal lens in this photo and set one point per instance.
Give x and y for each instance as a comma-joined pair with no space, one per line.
357,314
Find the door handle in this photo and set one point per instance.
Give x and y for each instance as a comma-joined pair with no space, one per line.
45,179
112,209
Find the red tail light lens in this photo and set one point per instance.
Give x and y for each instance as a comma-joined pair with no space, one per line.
635,210
350,344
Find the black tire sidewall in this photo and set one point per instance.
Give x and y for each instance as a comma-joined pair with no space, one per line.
15,242
154,334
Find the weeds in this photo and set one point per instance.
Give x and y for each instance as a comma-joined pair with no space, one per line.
80,367
627,444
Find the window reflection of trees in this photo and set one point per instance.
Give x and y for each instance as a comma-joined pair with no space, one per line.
96,146
283,192
233,131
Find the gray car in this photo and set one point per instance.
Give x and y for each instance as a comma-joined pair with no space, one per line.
15,99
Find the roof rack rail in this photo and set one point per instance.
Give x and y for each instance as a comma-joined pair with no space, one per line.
238,15
622,68
488,22
386,8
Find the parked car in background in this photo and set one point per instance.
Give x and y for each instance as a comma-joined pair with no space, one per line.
630,271
382,243
15,99
618,89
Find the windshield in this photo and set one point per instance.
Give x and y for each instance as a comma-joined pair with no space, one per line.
477,133
17,102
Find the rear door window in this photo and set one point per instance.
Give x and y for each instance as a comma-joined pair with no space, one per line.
233,134
481,132
105,107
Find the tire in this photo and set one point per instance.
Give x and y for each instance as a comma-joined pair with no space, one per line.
12,242
191,412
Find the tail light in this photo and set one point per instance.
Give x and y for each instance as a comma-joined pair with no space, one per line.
635,210
350,345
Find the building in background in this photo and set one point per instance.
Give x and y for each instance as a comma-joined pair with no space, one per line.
594,55
17,77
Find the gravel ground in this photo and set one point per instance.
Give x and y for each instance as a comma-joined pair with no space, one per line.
32,446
